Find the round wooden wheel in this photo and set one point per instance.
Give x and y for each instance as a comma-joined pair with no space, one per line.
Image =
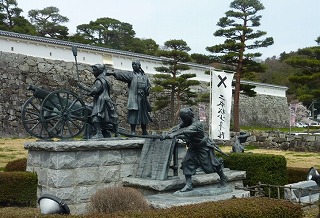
63,114
30,116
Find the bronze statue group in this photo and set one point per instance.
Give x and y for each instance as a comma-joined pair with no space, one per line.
104,109
200,153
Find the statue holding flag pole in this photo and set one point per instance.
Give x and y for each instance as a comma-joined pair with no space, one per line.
103,113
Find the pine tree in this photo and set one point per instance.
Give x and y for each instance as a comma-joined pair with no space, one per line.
12,20
174,87
237,27
306,81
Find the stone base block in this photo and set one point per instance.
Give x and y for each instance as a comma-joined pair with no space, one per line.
303,192
168,200
149,186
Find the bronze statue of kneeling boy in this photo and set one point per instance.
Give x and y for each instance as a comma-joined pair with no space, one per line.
200,151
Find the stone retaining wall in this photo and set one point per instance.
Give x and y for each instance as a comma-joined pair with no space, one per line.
284,141
18,71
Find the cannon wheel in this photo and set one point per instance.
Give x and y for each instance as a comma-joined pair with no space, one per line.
30,116
63,114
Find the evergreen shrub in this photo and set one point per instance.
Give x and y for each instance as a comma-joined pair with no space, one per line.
260,168
18,189
239,207
16,165
296,174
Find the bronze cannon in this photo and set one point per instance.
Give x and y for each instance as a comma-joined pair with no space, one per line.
59,114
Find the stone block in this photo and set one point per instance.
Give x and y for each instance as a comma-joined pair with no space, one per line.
261,138
298,137
109,174
290,138
107,185
86,176
283,136
206,191
84,193
110,157
252,138
62,160
130,156
60,178
304,192
38,158
285,146
66,194
279,140
78,209
88,158
265,144
31,62
23,67
42,174
309,138
127,170
167,200
317,138
234,177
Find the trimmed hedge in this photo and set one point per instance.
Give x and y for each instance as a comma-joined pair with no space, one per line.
18,189
297,174
265,168
16,165
241,207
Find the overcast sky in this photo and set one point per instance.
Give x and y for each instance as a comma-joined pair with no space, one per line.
293,24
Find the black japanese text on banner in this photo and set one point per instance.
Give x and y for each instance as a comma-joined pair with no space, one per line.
221,99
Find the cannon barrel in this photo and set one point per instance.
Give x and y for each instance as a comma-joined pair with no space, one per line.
54,102
42,94
38,92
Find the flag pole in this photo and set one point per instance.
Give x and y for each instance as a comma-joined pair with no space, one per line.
210,106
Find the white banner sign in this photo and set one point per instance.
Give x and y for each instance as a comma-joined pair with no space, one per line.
221,99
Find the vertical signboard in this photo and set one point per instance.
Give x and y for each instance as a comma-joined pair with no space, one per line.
221,99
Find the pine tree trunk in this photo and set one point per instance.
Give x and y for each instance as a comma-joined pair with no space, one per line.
236,103
237,88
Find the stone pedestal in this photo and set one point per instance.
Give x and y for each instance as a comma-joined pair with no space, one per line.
75,170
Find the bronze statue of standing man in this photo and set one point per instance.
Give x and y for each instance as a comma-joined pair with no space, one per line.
138,105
